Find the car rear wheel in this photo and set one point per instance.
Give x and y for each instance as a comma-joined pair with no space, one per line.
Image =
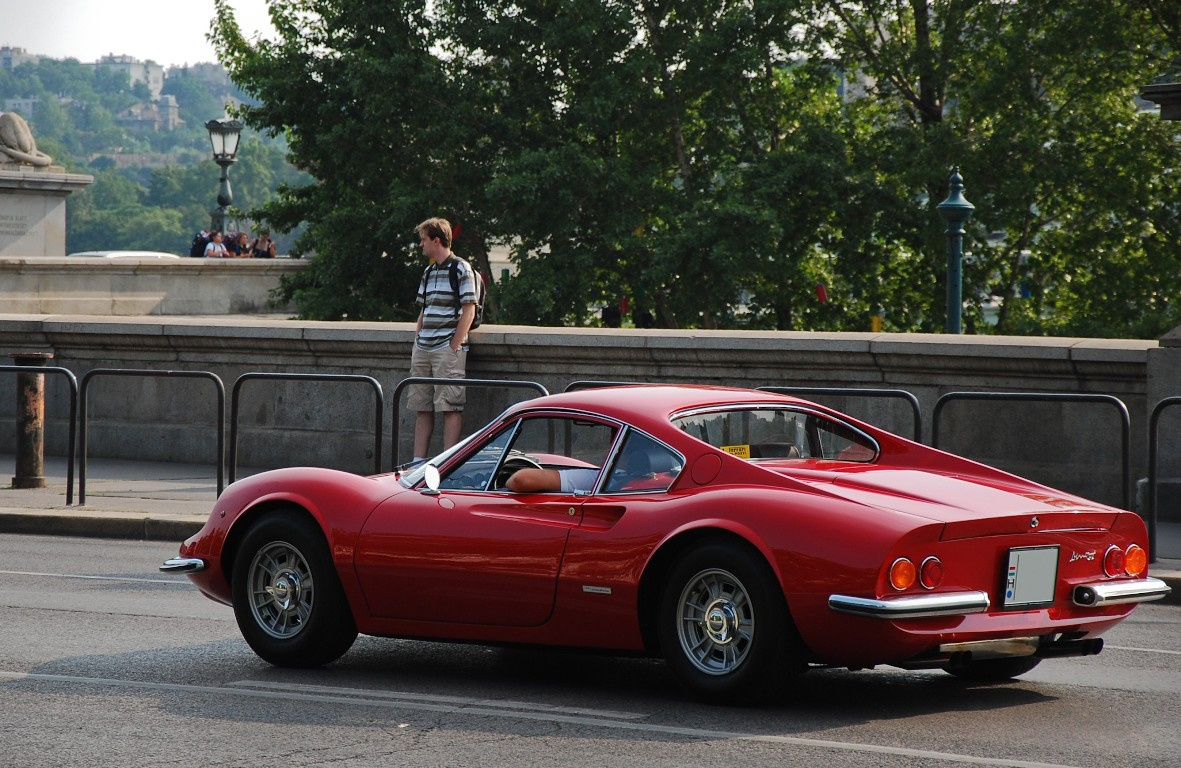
287,598
724,626
994,670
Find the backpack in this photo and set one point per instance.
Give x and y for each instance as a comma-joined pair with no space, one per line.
453,276
197,249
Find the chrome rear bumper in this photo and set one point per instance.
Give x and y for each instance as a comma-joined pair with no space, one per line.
183,565
1116,592
911,606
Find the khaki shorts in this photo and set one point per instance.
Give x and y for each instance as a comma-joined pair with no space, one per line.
439,363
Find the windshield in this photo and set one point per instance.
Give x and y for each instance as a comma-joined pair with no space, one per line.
778,432
413,476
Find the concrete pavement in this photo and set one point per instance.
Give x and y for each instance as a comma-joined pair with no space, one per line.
168,501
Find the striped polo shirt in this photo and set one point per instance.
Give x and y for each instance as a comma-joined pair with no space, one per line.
440,305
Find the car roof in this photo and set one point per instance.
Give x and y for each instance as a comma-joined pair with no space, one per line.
649,406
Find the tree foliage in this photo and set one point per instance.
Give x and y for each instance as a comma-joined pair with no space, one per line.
712,161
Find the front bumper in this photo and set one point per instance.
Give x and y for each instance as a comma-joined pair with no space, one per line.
183,565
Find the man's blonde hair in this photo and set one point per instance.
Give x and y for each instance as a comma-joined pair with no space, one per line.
436,227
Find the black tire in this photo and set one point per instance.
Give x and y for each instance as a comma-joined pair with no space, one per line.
287,597
724,626
994,670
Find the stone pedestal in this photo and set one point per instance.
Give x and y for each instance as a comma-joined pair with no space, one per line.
33,209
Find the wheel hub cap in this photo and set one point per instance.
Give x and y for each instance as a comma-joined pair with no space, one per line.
721,622
285,591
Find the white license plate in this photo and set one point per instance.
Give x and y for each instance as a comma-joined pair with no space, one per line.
1031,577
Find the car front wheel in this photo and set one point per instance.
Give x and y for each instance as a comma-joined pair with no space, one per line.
724,625
287,598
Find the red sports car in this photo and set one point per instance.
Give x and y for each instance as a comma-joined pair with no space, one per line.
742,535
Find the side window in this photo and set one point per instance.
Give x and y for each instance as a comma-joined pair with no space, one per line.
574,447
642,466
779,433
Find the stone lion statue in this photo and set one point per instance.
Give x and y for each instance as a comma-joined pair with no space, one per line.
16,142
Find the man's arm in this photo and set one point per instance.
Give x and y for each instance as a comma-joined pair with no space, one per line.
534,480
467,314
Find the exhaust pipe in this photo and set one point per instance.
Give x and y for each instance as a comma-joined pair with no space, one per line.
1065,648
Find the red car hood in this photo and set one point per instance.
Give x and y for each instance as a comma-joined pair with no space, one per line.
969,506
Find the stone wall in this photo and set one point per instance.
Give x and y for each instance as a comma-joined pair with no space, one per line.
332,423
134,287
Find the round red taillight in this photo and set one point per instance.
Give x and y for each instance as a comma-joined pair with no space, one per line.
931,573
1113,561
1135,560
902,574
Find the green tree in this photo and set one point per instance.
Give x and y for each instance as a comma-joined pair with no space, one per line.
1037,108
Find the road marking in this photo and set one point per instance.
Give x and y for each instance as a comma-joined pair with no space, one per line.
1140,650
514,710
93,578
456,700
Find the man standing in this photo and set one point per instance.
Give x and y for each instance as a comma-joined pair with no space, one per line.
447,296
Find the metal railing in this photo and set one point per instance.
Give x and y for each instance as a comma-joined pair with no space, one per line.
339,377
84,388
72,380
509,383
1153,480
1049,397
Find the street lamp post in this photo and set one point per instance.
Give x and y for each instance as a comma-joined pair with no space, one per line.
956,211
223,135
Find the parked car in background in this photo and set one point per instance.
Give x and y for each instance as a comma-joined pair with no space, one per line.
142,255
743,536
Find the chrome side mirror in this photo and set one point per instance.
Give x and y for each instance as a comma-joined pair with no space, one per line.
431,476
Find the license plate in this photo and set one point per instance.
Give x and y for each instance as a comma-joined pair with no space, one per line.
1031,577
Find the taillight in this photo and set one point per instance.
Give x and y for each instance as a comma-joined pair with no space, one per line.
1135,560
1113,561
931,573
902,574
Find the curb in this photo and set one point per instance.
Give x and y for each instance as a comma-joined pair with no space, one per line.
100,526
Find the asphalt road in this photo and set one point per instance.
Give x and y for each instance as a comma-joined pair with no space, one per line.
106,662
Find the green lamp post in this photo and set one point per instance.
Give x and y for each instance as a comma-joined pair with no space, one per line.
956,211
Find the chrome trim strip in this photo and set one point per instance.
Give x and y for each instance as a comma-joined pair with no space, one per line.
183,565
1118,592
911,606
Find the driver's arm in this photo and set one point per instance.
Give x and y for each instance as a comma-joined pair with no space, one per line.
534,480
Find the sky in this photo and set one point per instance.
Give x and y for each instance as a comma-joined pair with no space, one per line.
169,32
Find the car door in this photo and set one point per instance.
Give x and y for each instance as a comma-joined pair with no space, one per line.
475,553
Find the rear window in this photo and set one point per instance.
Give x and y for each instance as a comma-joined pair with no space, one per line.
772,432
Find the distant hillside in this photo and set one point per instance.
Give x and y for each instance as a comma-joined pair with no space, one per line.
155,180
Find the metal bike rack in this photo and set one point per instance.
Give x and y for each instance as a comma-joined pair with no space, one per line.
235,396
1052,397
91,375
1153,480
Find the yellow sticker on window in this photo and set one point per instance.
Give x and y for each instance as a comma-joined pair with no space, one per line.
741,451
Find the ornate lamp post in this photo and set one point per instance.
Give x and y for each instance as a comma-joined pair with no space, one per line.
955,210
223,135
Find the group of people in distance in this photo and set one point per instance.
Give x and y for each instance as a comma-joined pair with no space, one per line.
238,245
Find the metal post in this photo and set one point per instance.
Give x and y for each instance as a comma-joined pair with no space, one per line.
956,211
225,198
30,421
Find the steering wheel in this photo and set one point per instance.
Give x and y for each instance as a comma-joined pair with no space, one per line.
516,461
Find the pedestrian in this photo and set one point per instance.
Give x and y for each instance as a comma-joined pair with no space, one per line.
447,297
215,249
238,248
263,246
